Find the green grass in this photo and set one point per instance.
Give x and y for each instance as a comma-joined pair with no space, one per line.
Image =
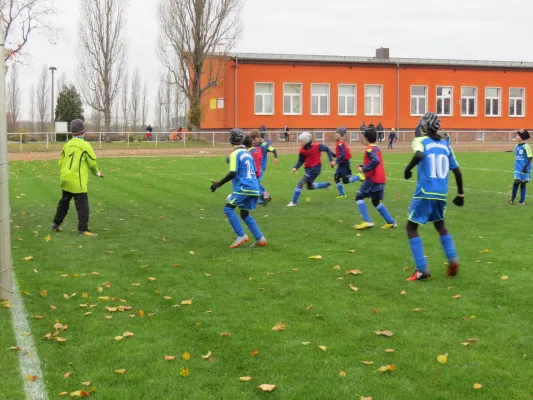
143,201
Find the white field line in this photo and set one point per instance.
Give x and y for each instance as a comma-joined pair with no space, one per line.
28,358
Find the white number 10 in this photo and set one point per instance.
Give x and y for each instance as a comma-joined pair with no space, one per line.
439,165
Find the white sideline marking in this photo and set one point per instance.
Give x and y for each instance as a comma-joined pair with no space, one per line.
28,358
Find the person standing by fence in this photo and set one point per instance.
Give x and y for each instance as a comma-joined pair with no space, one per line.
262,131
381,132
286,133
362,130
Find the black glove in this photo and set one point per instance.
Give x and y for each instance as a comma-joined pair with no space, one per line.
524,170
227,160
407,174
459,201
215,186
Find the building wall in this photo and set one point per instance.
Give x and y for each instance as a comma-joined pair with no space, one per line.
249,73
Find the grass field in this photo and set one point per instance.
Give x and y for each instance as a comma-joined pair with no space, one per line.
157,219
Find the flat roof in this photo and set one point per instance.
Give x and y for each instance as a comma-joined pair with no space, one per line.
372,60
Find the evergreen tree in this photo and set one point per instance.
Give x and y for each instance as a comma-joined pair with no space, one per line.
69,105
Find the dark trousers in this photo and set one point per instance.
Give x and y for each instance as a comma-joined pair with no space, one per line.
81,200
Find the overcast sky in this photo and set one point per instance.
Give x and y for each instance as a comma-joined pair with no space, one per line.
463,29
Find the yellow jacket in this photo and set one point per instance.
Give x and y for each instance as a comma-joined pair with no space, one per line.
77,158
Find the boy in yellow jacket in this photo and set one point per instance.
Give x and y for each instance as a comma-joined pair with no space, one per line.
77,158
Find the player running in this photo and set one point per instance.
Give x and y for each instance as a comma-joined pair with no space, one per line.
344,171
522,166
265,148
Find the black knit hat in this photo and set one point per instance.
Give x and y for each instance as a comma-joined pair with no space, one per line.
524,134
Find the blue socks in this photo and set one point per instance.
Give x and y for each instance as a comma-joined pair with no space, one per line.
363,210
515,191
355,178
234,221
417,249
340,188
296,195
321,185
449,248
252,225
523,191
385,213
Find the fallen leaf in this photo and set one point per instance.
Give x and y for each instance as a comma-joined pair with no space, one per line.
504,278
44,293
103,298
337,267
120,371
280,326
62,394
127,334
342,374
186,356
112,309
206,356
186,302
225,334
170,358
245,378
477,386
389,350
119,338
353,271
80,393
167,297
306,343
184,372
140,313
108,316
443,358
384,333
375,310
403,292
457,296
387,368
48,238
67,375
485,251
38,317
416,309
267,387
88,383
315,257
351,251
151,278
255,352
323,348
309,307
191,253
29,258
368,362
13,348
354,288
365,398
88,313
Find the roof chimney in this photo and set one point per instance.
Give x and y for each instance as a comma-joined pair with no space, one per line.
382,53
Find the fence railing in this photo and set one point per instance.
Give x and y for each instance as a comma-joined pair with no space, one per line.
46,141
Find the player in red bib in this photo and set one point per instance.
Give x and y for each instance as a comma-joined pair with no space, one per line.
374,184
342,161
248,143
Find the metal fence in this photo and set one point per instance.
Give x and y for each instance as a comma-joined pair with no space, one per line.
42,142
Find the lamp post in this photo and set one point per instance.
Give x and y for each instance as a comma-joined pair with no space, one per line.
53,69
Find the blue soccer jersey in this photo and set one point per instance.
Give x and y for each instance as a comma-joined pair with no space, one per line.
433,169
265,148
245,182
522,153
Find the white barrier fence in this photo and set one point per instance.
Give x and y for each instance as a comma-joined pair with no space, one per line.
37,141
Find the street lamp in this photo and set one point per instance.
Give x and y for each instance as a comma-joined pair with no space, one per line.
53,69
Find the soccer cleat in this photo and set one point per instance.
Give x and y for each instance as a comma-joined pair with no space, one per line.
361,176
390,226
418,276
453,268
291,204
57,228
239,241
260,242
363,226
522,203
87,233
341,196
511,201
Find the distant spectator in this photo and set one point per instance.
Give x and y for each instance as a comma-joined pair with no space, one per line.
262,131
371,125
149,133
363,129
286,133
448,138
392,137
381,133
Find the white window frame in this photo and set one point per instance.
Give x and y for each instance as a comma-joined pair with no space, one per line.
346,96
523,103
419,114
476,105
380,114
354,136
281,136
220,103
293,95
320,95
321,138
480,136
265,94
499,98
443,97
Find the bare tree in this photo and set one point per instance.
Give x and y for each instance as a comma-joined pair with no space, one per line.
103,51
178,106
158,107
32,107
61,81
19,18
124,101
168,102
145,105
135,99
13,96
43,99
195,36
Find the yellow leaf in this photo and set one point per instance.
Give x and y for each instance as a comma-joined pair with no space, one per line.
48,238
384,333
245,378
315,257
337,267
151,278
205,357
365,398
265,387
353,271
309,307
389,350
368,362
504,278
170,358
457,296
118,338
63,394
351,251
127,334
140,313
103,298
85,295
403,292
100,289
88,383
225,334
67,375
80,393
167,297
108,316
6,304
120,371
88,313
387,368
44,293
354,288
111,309
323,348
191,253
60,339
280,326
186,302
29,258
342,374
306,343
184,372
16,348
135,284
443,358
186,356
416,309
477,386
485,251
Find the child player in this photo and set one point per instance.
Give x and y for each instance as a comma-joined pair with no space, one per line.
434,158
77,158
522,166
374,184
265,148
344,172
310,158
248,144
245,191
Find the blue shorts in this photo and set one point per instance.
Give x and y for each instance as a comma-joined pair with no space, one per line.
422,211
523,177
243,201
370,189
312,173
343,170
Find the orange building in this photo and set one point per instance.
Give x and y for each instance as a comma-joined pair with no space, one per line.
324,92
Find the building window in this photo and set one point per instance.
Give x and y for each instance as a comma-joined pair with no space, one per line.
292,99
468,101
373,99
319,136
517,99
347,99
319,99
444,100
220,102
480,135
418,100
264,98
354,136
492,102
